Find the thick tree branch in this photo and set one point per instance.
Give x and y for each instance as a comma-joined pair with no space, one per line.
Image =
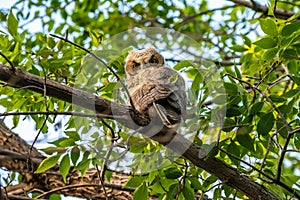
227,174
13,156
279,13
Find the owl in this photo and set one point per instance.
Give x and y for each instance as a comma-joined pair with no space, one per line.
154,87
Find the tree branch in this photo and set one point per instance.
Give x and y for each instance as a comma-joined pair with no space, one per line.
227,174
279,13
13,151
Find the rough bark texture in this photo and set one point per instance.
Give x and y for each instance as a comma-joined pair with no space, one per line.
13,156
224,172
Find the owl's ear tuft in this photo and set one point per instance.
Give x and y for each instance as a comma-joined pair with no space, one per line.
127,50
131,52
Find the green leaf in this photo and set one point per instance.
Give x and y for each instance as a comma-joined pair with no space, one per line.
269,27
188,191
209,181
12,24
243,130
233,111
238,48
19,103
197,82
296,79
73,134
297,141
109,87
75,153
256,107
265,124
277,99
51,150
157,188
246,141
64,166
135,181
289,54
48,163
195,183
83,166
166,182
237,71
55,197
290,28
229,124
16,120
291,93
184,64
67,142
141,193
280,126
152,176
266,43
247,41
173,173
233,149
270,54
293,65
231,88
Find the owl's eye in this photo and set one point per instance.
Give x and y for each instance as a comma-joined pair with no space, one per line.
135,65
153,59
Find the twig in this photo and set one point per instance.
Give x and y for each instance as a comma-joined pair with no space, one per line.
267,153
283,151
267,74
246,163
100,60
114,186
101,174
36,137
4,187
20,197
9,61
105,161
285,186
47,116
101,181
112,132
79,114
279,13
275,6
212,187
290,3
109,150
191,17
266,97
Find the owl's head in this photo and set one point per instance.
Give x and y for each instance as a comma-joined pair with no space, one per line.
142,59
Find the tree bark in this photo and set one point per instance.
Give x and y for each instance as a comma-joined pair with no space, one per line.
14,157
227,174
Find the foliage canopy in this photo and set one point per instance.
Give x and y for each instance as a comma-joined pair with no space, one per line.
254,48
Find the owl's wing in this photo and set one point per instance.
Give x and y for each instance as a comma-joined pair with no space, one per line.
163,89
168,101
171,108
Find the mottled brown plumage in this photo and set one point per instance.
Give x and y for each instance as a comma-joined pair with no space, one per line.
154,87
